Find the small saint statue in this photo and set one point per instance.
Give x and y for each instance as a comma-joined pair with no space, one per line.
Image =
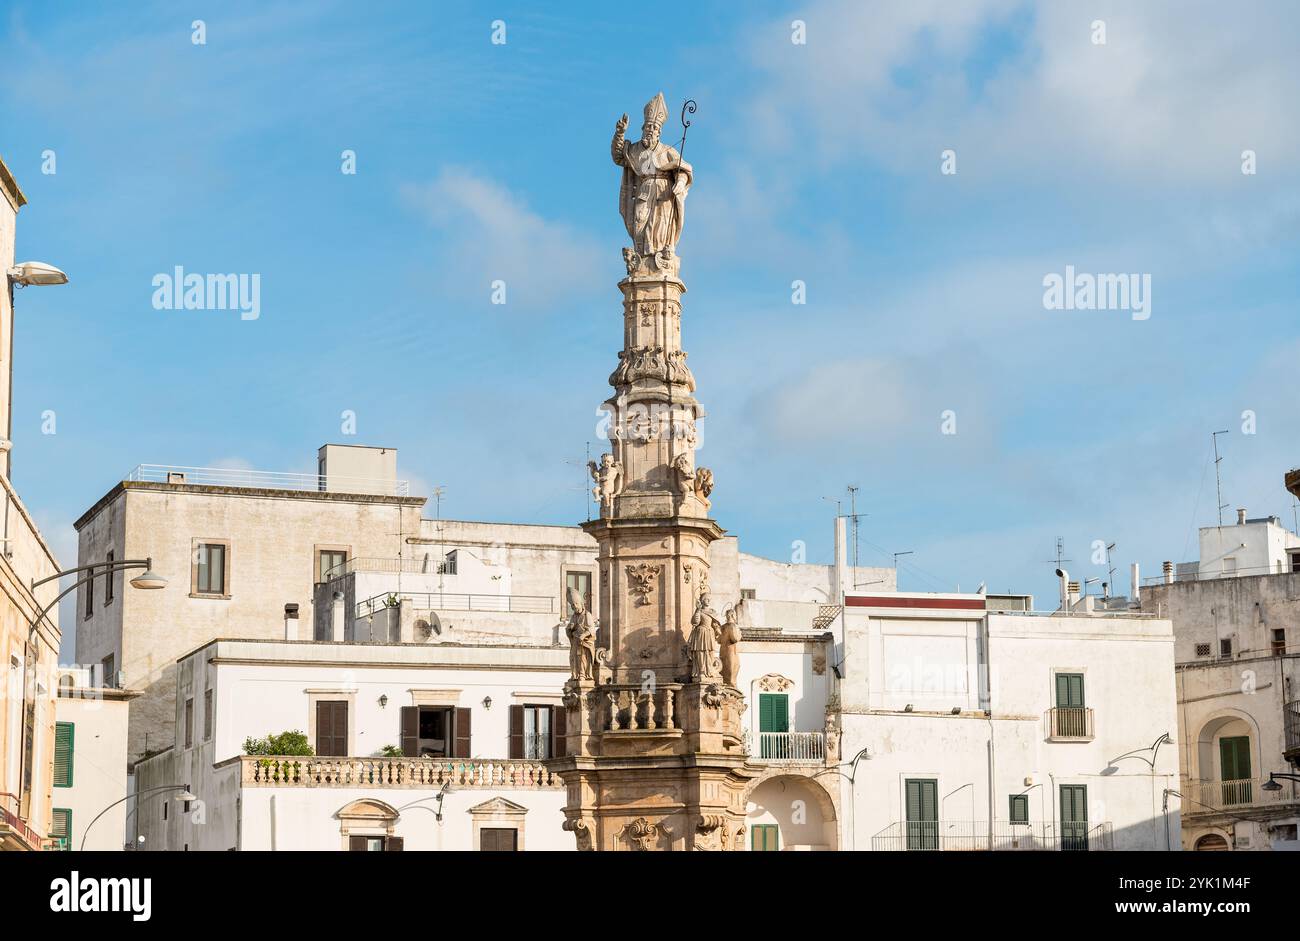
729,643
655,181
701,646
581,631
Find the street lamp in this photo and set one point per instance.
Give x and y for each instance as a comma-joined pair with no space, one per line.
185,795
36,272
148,580
1272,785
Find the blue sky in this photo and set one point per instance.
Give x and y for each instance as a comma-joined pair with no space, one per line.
817,162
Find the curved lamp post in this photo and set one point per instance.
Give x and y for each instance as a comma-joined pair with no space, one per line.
1272,784
184,796
148,580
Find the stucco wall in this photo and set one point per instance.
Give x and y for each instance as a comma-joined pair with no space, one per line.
99,768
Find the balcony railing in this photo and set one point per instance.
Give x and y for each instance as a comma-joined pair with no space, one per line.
453,601
1210,797
1070,724
12,823
429,566
272,771
791,747
267,480
1291,724
978,836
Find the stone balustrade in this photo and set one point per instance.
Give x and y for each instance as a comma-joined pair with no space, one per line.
632,708
284,771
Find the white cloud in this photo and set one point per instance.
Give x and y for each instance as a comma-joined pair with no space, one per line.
1175,94
489,234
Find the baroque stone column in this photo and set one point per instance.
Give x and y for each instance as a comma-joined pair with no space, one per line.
654,750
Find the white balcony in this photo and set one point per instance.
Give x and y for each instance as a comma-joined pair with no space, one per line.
790,748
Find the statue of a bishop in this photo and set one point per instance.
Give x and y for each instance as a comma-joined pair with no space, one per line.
655,181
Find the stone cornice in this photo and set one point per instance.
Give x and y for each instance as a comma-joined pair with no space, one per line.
12,191
319,496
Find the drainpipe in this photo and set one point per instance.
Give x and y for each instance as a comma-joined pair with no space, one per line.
290,622
1135,589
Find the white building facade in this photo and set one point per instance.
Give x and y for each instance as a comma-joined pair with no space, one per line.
966,728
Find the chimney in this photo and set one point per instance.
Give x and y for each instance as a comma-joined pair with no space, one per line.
1074,589
336,619
1241,516
839,575
1169,573
291,622
1135,586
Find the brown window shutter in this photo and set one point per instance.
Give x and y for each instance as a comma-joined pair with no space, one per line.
410,731
324,727
394,844
516,732
462,734
357,844
559,723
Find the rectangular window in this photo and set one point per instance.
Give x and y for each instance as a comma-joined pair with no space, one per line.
1225,647
498,840
327,559
765,838
1202,650
922,798
1019,808
207,715
1069,691
582,582
110,676
1295,561
108,580
1279,642
537,732
749,594
1074,817
773,724
376,844
189,723
90,594
210,564
332,727
63,752
61,827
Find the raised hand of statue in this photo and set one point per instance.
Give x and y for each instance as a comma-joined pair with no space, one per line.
622,125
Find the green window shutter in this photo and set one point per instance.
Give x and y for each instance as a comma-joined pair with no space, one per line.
1069,690
61,826
773,712
1234,758
63,751
764,837
1019,808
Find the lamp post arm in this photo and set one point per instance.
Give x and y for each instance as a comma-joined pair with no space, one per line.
108,566
161,787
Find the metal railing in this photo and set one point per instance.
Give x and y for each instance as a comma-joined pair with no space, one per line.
1210,797
267,480
1070,723
10,819
273,771
1276,568
453,601
429,566
1291,723
791,746
970,836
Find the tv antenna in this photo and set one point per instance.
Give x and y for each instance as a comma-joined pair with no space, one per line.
1060,552
1218,483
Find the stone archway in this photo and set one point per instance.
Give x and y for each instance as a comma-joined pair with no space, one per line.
800,809
1211,843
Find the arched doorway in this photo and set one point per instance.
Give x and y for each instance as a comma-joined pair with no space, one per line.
1211,843
790,812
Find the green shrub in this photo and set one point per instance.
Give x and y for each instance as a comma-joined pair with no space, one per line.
286,743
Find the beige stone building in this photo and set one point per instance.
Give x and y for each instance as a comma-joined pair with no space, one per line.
1237,646
28,654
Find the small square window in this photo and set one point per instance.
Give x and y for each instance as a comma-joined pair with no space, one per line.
1202,650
